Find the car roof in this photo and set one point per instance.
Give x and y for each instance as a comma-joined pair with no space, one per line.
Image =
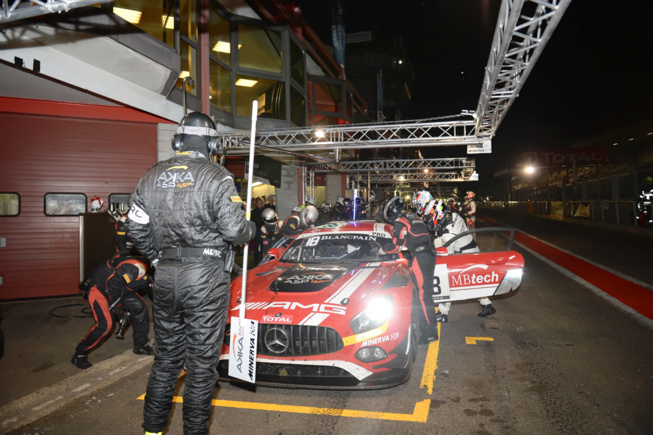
358,227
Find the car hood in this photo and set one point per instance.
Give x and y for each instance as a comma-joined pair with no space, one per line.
307,278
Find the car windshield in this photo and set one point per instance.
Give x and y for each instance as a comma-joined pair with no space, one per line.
338,248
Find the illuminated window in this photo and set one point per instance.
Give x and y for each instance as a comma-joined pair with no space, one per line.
188,67
9,204
259,49
270,95
155,17
220,87
219,38
188,19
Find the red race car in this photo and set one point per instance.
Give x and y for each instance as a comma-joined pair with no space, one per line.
336,311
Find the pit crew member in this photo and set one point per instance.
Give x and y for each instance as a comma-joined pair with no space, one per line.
184,213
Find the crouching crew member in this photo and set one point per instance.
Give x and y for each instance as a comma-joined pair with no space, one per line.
116,286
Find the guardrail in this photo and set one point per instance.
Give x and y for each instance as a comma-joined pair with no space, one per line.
604,211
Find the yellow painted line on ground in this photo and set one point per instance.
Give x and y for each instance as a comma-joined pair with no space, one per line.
473,340
420,412
419,415
431,364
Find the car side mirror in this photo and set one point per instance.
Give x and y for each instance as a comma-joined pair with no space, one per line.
273,252
441,251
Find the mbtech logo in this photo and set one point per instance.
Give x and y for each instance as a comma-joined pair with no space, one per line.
470,277
180,178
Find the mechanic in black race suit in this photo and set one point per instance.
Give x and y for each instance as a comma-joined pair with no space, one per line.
184,213
256,216
270,230
291,227
410,232
118,279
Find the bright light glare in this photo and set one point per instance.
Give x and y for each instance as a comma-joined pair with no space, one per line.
379,310
319,133
184,74
529,169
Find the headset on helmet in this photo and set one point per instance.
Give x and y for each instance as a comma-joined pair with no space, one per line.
393,208
196,124
269,216
308,216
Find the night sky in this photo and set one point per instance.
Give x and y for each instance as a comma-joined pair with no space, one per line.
594,75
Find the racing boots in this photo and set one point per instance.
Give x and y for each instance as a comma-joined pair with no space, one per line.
487,311
81,361
143,349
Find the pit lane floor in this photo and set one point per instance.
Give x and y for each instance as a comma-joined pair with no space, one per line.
555,358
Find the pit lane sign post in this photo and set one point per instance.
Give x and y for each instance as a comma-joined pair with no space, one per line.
244,332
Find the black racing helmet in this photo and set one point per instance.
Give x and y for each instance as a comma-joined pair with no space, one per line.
393,208
196,124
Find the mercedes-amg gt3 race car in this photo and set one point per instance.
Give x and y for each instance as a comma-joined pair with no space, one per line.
336,311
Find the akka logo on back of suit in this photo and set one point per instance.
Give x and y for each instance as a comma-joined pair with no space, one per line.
171,179
467,279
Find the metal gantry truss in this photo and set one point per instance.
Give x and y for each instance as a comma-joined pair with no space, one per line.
20,10
400,165
356,136
404,171
523,29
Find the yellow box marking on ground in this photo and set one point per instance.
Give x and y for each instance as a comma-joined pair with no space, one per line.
420,412
473,340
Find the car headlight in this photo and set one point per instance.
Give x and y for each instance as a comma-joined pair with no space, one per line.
371,354
376,314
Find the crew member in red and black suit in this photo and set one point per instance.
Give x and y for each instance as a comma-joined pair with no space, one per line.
410,232
110,284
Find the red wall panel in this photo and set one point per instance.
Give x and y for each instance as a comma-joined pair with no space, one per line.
44,153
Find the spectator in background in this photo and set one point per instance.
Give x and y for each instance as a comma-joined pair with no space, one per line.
270,203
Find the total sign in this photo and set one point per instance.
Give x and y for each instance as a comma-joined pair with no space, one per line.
473,282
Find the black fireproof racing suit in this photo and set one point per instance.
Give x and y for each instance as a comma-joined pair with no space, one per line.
185,211
411,233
